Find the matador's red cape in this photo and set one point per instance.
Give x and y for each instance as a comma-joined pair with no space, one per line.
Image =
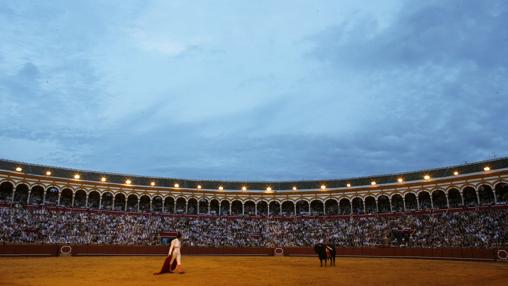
166,268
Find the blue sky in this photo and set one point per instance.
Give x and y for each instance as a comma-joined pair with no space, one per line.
253,90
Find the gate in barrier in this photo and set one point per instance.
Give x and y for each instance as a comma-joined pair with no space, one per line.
65,250
502,255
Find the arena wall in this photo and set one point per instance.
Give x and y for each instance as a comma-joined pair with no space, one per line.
115,250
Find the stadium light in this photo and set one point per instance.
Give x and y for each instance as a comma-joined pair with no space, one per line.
221,188
295,188
323,187
77,176
19,169
373,183
244,188
152,183
103,179
268,189
400,180
348,185
486,169
456,173
426,177
176,185
128,181
48,173
199,187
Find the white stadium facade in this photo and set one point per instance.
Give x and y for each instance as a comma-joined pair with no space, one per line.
462,186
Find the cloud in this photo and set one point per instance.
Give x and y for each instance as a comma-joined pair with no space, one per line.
160,43
253,95
433,77
431,32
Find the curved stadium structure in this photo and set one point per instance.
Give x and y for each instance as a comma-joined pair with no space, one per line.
468,185
454,212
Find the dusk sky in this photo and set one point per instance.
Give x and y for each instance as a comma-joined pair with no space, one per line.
253,90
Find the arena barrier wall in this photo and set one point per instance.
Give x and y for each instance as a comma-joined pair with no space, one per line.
30,250
116,250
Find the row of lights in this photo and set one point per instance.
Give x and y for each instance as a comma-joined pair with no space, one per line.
244,188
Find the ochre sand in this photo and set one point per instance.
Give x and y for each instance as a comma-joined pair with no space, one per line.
228,270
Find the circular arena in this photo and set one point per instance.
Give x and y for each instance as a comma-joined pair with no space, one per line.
440,226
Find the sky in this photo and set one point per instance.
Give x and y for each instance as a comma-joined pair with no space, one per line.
253,90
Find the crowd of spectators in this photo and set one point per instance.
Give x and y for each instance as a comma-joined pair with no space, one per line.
486,227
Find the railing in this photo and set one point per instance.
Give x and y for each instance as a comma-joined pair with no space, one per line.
122,250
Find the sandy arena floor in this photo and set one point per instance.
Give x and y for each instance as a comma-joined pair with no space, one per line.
207,270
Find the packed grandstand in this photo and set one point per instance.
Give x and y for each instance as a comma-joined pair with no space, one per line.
465,207
485,227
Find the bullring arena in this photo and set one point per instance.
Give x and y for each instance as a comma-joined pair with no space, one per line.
445,226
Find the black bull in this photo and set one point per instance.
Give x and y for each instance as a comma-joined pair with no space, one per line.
325,252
